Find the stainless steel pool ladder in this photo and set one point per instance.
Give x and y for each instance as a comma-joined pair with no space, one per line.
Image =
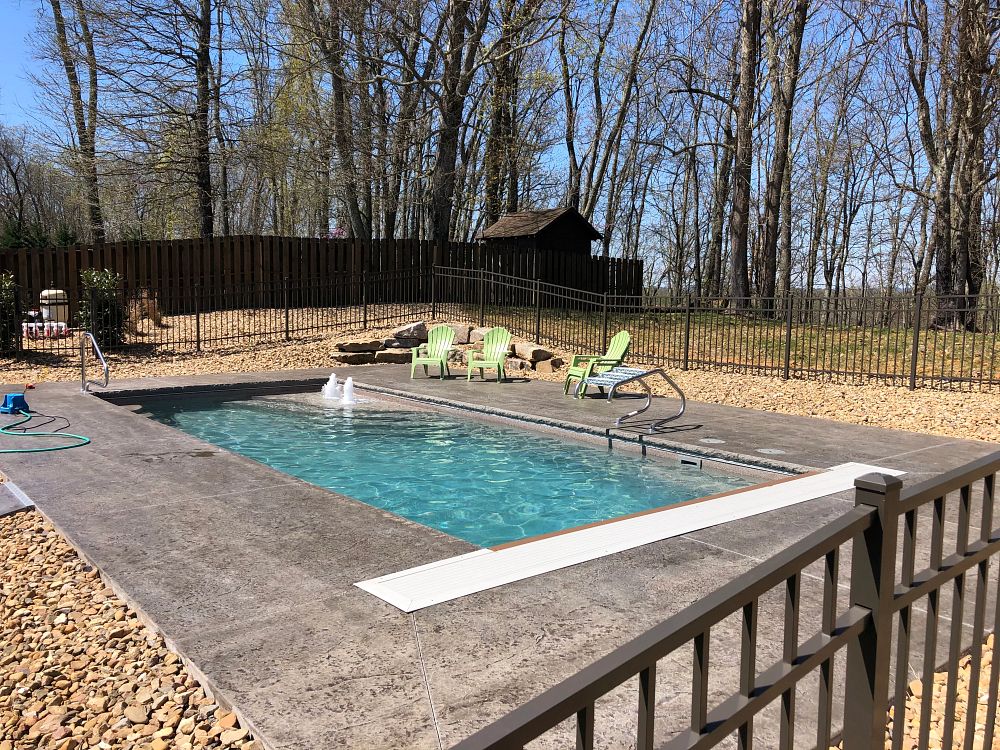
619,376
85,384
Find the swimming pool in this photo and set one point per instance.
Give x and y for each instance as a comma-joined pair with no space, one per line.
484,482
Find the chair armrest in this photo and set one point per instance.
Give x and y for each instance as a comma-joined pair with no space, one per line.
416,349
578,358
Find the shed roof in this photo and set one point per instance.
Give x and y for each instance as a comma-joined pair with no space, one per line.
530,223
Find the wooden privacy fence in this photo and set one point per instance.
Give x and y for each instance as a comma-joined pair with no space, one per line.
173,269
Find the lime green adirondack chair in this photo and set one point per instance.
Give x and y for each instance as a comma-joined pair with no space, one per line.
496,347
435,351
585,365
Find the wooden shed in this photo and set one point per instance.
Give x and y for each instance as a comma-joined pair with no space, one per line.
552,229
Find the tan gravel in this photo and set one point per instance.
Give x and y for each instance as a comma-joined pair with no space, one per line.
78,669
974,415
914,698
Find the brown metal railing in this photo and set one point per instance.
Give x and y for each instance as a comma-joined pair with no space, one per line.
880,601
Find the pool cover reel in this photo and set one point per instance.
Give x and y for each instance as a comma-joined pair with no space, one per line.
14,403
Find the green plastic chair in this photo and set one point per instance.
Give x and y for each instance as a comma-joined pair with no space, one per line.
435,351
585,365
496,347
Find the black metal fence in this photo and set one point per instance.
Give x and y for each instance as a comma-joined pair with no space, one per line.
912,556
896,339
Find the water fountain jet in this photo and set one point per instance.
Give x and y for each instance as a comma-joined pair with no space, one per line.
331,389
348,397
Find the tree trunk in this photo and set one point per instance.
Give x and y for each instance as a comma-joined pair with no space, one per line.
739,227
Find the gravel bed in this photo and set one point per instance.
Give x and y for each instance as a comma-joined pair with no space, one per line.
78,669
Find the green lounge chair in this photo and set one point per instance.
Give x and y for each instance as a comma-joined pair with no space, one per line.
496,347
435,351
585,365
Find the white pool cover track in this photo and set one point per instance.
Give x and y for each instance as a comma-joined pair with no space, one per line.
441,581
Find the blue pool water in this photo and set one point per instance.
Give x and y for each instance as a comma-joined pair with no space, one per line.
479,481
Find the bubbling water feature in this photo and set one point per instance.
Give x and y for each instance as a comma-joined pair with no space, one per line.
348,397
331,389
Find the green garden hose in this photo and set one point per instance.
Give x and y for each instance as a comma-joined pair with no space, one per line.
6,430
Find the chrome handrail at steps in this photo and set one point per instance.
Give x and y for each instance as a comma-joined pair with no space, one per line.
84,383
619,376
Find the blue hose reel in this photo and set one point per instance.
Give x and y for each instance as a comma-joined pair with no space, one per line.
14,403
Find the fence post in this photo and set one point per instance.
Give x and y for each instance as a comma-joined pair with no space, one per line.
873,580
364,299
197,317
787,365
284,296
687,333
604,334
538,312
433,292
914,350
482,298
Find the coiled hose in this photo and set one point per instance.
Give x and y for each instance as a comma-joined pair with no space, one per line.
8,430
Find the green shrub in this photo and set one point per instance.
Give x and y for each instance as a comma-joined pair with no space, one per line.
10,321
102,308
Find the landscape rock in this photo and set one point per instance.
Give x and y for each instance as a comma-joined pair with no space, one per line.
549,365
416,330
360,346
394,356
478,334
397,343
355,358
531,352
462,332
513,363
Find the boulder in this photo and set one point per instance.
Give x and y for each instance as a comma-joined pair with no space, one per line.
513,363
360,346
477,334
548,365
531,352
398,343
416,330
355,358
394,356
461,332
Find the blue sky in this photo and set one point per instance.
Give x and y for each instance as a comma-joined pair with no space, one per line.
17,23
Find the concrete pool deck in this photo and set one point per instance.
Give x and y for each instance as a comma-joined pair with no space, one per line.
249,572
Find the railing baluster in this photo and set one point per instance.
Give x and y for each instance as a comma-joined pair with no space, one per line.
903,639
748,668
831,577
585,728
790,650
930,637
647,708
957,619
699,682
991,692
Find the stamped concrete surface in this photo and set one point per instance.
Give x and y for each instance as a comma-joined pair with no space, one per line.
249,572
